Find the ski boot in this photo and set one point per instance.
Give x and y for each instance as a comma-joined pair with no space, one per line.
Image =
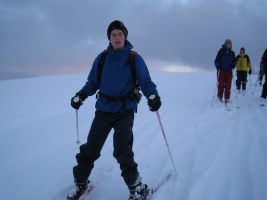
263,101
78,191
219,99
140,192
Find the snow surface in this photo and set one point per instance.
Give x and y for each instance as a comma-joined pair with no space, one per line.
219,154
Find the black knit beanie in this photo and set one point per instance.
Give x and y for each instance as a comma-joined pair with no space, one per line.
117,25
227,42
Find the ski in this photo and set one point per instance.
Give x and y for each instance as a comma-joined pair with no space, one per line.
154,190
227,107
90,189
262,103
149,196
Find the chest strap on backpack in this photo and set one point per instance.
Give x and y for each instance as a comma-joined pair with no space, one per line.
114,98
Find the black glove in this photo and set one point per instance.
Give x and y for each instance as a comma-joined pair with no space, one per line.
77,100
249,72
154,102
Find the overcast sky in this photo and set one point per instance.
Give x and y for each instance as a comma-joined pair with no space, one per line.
64,36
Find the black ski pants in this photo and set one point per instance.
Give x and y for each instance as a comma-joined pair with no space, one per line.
264,88
122,123
241,79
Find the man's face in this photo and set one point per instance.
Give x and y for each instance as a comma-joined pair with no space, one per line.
117,39
229,45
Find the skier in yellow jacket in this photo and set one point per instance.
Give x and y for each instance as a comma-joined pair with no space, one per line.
243,67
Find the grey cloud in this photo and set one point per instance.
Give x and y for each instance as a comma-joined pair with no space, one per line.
40,35
192,35
48,33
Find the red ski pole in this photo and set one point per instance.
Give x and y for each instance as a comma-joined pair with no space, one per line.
165,138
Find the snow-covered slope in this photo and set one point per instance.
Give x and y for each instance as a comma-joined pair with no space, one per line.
219,155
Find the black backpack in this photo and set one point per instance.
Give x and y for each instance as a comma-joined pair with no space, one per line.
135,93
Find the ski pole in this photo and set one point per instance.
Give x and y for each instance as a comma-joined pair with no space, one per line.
165,138
217,82
77,99
77,127
250,84
256,84
236,96
213,98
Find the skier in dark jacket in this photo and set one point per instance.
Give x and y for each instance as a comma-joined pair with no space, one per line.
225,62
261,74
115,108
264,88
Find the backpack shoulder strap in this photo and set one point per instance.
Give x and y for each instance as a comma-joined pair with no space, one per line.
100,65
131,60
132,64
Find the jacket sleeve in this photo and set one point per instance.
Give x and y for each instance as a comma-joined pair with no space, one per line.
249,64
233,60
264,58
143,77
248,59
91,86
236,60
218,60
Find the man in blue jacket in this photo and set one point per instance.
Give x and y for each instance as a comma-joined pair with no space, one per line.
225,62
115,108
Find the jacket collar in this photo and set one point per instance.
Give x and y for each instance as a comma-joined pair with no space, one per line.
127,47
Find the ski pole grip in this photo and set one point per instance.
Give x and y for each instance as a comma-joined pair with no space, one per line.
76,99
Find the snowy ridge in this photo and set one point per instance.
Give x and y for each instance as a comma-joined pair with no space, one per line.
219,155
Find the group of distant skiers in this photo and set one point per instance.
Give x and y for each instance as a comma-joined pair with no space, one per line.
225,63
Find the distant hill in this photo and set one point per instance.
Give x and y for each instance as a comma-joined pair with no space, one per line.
8,75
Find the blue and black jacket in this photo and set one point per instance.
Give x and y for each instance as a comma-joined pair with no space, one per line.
225,59
264,61
116,80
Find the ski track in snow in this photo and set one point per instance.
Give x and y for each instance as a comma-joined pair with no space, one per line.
219,154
